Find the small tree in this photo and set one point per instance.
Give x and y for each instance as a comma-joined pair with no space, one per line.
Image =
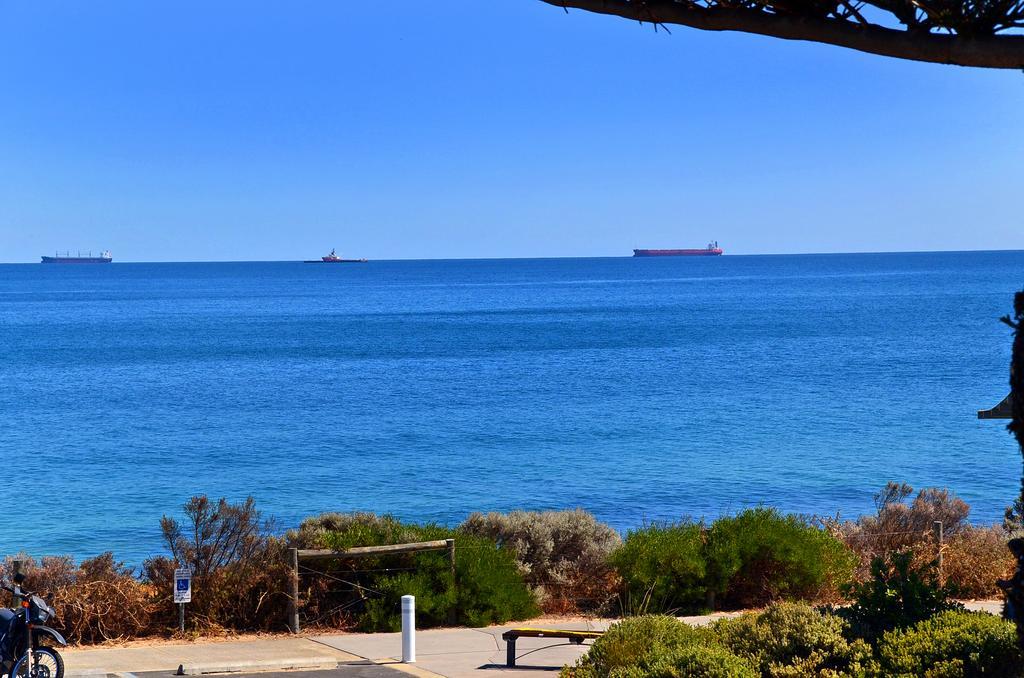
215,535
237,565
1014,587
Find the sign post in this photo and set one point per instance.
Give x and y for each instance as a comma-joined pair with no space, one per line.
182,593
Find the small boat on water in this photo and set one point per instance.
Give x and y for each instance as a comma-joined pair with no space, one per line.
66,258
333,258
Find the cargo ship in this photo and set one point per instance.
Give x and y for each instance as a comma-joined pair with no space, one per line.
333,258
712,250
66,258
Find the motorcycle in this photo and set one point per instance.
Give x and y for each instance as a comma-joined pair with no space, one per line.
22,634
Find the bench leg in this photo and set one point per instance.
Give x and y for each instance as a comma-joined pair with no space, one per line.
510,653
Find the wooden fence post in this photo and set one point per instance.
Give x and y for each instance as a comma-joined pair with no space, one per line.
17,567
937,526
293,604
453,615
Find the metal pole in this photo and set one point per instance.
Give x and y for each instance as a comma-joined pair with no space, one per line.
937,526
408,629
293,604
181,617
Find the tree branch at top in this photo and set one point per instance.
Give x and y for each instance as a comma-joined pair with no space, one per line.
980,33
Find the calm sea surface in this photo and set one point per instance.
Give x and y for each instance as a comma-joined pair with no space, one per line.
640,389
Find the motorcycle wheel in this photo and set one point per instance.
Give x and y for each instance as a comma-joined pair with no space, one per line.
47,663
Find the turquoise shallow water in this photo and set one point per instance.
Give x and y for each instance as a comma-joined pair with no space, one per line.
641,389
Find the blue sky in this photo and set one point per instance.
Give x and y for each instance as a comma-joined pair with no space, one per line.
480,128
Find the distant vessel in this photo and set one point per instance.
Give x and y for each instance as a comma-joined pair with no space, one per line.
712,250
333,258
66,258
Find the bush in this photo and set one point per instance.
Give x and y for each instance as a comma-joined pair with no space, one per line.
345,530
788,639
903,522
488,588
662,568
954,643
760,555
898,595
702,661
634,645
899,526
47,576
750,559
974,559
239,570
99,600
563,555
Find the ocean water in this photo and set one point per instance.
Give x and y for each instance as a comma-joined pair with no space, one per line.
639,389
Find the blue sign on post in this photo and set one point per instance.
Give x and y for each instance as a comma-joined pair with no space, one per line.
183,585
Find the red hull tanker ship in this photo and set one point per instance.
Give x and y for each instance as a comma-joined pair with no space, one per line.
712,250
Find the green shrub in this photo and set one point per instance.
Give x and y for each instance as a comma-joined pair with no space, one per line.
348,530
749,559
317,531
702,661
634,645
563,555
760,555
789,639
662,568
899,594
954,643
488,588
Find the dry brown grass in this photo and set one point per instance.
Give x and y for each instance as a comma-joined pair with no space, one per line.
99,600
975,558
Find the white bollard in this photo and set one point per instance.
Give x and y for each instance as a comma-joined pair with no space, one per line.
408,629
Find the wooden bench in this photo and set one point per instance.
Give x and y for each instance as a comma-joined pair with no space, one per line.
512,635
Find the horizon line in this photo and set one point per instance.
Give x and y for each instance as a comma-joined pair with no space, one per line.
528,258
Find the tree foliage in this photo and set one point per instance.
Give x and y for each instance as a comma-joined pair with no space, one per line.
983,33
1014,586
899,594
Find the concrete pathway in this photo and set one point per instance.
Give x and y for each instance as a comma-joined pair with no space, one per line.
440,652
445,652
465,652
480,652
275,653
991,606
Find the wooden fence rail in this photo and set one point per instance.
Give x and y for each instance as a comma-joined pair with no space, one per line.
296,555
